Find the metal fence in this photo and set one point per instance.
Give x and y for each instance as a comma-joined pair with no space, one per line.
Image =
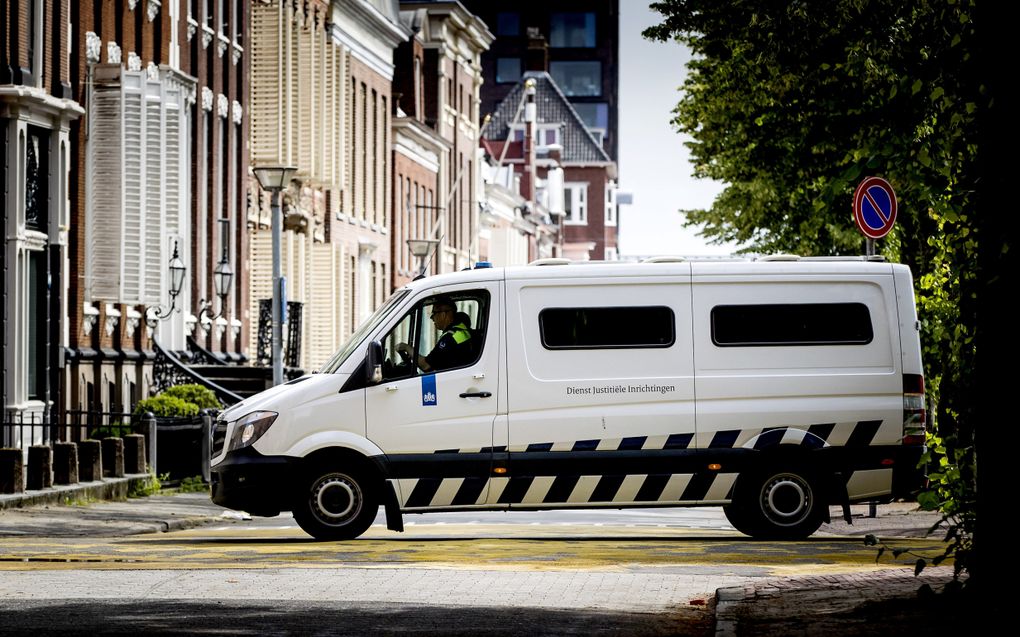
23,429
187,441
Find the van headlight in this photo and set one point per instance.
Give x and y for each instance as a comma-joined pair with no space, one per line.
250,428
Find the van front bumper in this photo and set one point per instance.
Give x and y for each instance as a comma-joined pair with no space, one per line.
248,481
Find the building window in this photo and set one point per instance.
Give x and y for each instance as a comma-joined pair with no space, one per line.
35,181
610,205
577,78
239,22
595,115
36,324
545,134
224,12
575,30
607,327
508,23
575,202
791,324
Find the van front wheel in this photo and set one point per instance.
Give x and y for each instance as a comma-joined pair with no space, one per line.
776,505
335,505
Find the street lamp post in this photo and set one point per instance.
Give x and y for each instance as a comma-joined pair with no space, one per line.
421,248
274,179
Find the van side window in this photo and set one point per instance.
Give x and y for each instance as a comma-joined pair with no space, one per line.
791,324
607,327
441,332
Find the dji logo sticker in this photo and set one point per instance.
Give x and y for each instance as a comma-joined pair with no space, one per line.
428,391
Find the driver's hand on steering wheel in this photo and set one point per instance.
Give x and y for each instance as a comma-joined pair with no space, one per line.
405,351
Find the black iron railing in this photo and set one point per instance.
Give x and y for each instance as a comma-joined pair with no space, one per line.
168,370
292,337
22,429
176,446
200,355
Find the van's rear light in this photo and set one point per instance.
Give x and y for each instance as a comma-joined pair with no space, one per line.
915,417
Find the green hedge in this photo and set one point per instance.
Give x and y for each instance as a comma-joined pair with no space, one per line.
164,405
179,401
202,396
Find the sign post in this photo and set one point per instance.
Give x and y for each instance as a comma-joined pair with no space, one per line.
874,210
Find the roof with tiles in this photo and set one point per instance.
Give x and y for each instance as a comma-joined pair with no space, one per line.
552,108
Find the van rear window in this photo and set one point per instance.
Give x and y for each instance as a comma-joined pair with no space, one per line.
791,324
606,327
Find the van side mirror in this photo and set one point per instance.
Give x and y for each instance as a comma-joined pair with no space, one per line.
373,363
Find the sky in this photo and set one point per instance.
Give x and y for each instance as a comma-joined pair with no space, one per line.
654,164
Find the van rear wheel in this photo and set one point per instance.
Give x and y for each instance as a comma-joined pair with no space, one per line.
776,505
335,505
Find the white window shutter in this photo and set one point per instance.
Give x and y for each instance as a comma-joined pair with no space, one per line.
104,193
303,85
322,314
267,84
133,237
153,256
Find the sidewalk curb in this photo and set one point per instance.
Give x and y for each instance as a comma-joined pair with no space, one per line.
727,600
105,489
181,524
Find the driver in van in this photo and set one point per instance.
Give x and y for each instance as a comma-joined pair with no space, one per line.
453,348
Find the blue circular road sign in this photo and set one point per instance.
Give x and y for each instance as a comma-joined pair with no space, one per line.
874,207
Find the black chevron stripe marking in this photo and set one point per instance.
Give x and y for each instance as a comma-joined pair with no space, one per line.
469,491
515,491
606,489
863,433
423,492
768,435
678,441
447,451
653,487
724,439
561,489
634,443
540,446
823,430
699,485
586,445
499,449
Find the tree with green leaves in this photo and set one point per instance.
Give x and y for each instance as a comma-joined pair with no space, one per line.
791,105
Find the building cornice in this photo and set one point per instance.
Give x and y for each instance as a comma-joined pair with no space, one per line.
17,102
354,15
419,143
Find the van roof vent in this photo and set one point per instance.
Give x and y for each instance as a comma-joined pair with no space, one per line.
779,257
551,261
665,259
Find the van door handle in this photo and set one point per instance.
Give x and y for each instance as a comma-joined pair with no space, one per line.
391,388
476,394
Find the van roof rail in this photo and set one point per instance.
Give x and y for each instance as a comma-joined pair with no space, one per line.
551,261
665,259
779,257
871,258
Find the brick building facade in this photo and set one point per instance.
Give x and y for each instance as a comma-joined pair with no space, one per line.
37,112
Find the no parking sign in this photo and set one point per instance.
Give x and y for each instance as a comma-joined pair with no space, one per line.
874,207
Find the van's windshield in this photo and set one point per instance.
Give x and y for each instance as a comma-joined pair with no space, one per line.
352,343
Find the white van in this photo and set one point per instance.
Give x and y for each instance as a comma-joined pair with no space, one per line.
772,387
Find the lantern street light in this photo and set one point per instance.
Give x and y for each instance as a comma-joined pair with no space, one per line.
274,179
176,267
223,276
421,248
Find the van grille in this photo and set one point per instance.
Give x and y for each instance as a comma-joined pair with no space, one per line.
219,437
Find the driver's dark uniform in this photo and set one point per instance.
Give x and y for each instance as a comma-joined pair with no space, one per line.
452,350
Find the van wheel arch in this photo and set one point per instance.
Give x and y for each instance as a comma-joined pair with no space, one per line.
337,493
783,496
